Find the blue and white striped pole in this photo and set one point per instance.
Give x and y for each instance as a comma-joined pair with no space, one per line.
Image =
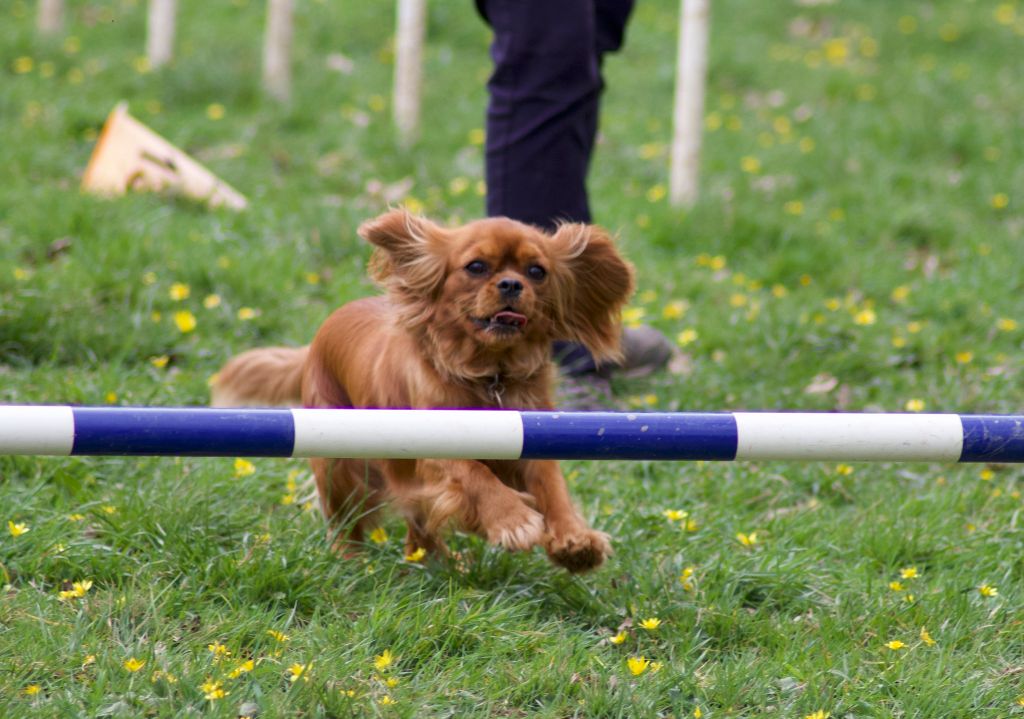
487,434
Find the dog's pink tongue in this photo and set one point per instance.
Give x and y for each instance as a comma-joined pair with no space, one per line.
510,318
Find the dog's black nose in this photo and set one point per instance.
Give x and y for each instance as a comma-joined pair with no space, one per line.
509,287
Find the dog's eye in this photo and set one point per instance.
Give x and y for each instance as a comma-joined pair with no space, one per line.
536,272
477,267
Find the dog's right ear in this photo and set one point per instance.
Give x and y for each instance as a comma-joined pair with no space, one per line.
411,253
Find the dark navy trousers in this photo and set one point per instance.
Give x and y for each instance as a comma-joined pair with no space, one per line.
542,116
544,96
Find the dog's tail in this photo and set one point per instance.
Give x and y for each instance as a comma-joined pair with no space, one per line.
264,377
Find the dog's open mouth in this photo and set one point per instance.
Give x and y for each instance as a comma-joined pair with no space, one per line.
507,320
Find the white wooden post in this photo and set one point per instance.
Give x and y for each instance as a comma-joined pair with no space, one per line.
51,16
160,32
688,114
277,50
410,30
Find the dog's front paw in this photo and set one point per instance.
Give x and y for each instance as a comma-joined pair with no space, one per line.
517,528
579,549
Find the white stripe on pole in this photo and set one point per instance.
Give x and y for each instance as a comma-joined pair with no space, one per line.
160,32
408,434
51,16
411,28
688,113
852,437
36,430
277,50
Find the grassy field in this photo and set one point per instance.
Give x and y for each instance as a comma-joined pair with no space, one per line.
854,249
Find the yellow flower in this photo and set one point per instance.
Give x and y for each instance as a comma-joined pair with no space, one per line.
656,193
32,689
417,555
618,638
243,467
895,645
632,315
674,310
806,145
213,690
900,294
246,666
793,207
279,636
149,278
926,637
247,313
211,301
109,509
650,624
185,321
77,591
383,661
218,650
747,540
159,362
215,111
386,700
686,578
896,586
907,24
697,713
914,405
17,528
999,200
477,136
687,337
23,65
1006,324
110,397
297,671
844,470
986,475
691,525
133,665
1005,13
637,665
820,714
312,278
987,590
179,291
750,164
458,185
909,573
964,357
675,515
865,317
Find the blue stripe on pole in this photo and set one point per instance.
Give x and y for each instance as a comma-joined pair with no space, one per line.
616,435
990,438
181,431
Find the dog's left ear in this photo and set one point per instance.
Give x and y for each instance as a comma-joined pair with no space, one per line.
594,282
411,253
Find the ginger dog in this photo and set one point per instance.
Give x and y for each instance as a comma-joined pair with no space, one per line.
467,320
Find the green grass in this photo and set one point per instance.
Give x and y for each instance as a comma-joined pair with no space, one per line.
870,255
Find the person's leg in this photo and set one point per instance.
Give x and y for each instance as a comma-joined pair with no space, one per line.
542,115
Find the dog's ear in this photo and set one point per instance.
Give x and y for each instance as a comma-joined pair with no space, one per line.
593,284
411,253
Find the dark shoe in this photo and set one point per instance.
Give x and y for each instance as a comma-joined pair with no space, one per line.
644,350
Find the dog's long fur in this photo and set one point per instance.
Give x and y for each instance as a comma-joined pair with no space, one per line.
467,320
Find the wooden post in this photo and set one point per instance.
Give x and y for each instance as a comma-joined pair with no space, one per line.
410,30
277,50
160,32
688,114
51,16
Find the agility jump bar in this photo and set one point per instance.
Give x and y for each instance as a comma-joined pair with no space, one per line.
504,434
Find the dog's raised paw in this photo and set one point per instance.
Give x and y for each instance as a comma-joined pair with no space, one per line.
580,550
518,531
